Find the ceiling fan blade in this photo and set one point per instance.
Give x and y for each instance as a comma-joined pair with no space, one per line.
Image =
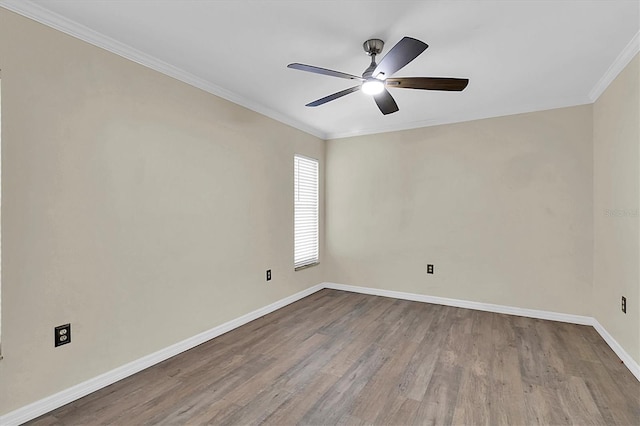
385,102
405,51
333,97
428,83
323,71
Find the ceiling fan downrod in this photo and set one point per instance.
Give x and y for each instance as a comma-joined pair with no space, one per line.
372,47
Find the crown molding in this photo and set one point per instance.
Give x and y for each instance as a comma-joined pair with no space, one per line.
464,117
623,59
44,16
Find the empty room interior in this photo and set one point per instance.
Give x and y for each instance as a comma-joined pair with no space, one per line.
320,212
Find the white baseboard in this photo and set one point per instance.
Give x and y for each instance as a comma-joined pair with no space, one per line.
478,306
628,361
43,406
66,396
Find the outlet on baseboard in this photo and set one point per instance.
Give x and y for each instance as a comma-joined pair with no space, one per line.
624,304
429,269
268,274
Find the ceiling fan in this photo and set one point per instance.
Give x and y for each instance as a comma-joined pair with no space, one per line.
377,77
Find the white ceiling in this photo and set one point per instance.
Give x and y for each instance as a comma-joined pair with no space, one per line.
519,55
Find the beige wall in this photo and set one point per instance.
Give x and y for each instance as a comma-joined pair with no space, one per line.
136,207
616,155
502,207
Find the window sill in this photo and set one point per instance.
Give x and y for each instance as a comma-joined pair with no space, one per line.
299,268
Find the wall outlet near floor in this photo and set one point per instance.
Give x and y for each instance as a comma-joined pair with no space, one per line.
62,335
624,304
429,269
268,274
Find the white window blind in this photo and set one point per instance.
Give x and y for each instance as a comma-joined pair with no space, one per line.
305,193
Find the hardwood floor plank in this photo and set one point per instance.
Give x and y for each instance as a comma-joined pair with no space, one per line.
401,411
159,408
384,386
46,420
349,420
609,397
542,407
418,374
539,362
366,332
338,399
262,405
441,395
276,373
293,410
196,410
576,400
507,390
473,404
344,358
474,396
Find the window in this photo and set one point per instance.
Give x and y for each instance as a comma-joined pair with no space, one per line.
305,194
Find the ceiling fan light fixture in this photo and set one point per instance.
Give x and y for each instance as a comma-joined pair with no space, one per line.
373,86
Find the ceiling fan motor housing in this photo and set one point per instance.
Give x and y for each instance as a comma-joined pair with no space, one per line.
373,46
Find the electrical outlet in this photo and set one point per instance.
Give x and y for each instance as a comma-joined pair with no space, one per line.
429,269
268,274
624,304
62,335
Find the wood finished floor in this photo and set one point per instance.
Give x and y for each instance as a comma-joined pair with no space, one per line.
345,358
